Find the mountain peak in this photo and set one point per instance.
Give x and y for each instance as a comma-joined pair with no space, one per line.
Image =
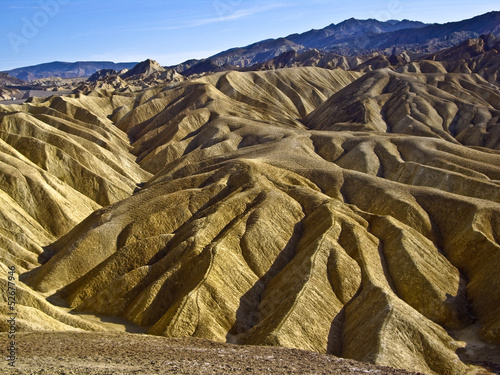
350,21
146,68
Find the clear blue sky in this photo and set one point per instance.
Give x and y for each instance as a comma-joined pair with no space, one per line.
38,31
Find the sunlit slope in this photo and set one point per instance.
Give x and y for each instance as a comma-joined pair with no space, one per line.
59,162
307,208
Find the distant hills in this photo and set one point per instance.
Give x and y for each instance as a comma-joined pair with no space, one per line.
351,38
6,80
66,69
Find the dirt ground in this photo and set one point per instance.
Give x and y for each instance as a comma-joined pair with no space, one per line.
123,353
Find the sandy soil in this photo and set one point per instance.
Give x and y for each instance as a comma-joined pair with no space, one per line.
122,353
476,352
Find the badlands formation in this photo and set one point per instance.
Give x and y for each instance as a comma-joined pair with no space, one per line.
341,212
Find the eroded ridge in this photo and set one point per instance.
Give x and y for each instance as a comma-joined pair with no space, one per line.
307,208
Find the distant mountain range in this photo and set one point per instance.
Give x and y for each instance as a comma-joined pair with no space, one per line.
349,38
352,38
66,69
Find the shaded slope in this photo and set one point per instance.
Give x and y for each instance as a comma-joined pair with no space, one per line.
438,36
373,241
453,107
345,32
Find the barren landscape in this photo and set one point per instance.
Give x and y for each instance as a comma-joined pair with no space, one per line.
111,353
343,212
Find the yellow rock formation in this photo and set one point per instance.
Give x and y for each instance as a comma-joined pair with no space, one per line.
340,212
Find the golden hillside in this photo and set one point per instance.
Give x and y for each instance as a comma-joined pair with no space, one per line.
356,214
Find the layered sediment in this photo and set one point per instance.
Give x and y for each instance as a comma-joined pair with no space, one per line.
356,214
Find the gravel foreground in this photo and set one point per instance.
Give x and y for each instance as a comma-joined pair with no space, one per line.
120,353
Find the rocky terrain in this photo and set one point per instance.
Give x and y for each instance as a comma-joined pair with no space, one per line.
145,74
352,213
6,92
6,80
112,353
16,91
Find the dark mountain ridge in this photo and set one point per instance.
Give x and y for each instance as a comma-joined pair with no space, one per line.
441,35
346,30
66,69
352,38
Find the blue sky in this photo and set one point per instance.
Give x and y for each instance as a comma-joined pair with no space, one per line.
38,31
